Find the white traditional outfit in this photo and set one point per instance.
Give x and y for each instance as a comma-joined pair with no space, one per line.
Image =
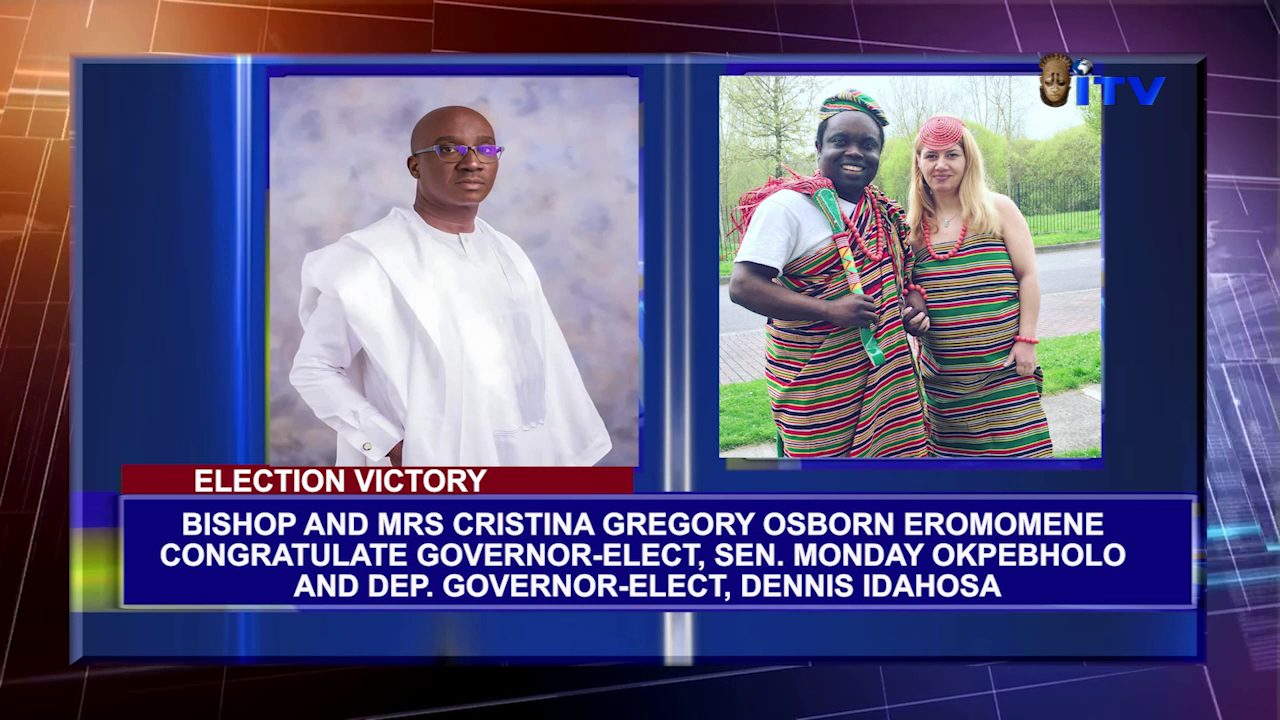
442,340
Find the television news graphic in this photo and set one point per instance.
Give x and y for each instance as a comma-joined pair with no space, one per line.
205,397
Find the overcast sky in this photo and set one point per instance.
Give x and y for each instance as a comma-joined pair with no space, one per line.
1040,120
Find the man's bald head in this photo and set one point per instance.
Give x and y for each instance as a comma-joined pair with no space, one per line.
446,122
450,190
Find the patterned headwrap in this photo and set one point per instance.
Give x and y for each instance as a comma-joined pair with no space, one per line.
940,132
852,100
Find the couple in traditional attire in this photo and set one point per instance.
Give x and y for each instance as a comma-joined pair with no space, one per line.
845,275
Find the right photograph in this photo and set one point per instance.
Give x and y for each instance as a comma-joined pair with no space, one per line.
910,267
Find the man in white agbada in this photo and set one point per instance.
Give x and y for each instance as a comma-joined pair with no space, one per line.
426,337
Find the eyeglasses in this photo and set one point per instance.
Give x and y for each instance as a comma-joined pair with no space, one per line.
451,153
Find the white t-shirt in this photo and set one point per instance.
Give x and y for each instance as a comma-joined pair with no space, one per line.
787,225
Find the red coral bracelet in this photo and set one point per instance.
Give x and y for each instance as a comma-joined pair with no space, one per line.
1029,340
917,288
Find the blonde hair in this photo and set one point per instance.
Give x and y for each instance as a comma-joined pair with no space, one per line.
977,206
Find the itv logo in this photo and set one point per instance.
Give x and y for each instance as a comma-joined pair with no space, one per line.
1146,95
1057,68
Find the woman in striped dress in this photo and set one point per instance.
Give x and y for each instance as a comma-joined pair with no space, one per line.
976,266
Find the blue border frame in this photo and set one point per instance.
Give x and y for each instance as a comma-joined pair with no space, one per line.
677,95
733,473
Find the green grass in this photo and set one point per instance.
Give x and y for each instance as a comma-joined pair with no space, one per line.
726,268
1064,238
1089,452
1086,226
1069,362
745,418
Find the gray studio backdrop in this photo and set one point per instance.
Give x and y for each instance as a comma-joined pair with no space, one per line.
567,192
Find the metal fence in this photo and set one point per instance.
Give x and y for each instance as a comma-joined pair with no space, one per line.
728,239
1057,207
1050,208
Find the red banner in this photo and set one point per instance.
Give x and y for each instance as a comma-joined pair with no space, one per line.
272,480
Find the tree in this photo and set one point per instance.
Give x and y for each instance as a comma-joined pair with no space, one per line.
774,115
1062,173
1019,153
894,175
996,156
911,103
978,91
1006,108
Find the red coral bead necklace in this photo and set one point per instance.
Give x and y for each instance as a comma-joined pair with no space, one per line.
928,242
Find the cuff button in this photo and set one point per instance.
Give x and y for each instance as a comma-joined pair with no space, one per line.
367,446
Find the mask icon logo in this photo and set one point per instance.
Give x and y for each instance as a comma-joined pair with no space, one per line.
1055,79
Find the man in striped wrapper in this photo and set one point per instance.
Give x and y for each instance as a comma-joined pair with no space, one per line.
824,258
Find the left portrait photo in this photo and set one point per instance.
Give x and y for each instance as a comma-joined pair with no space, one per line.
454,271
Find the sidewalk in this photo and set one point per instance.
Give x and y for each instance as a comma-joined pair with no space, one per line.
1074,424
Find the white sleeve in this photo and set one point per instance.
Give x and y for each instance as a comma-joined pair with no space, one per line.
320,376
772,236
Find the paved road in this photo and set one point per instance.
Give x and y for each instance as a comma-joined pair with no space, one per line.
1061,271
1070,270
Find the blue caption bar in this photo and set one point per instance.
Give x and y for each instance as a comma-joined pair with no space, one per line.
659,552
